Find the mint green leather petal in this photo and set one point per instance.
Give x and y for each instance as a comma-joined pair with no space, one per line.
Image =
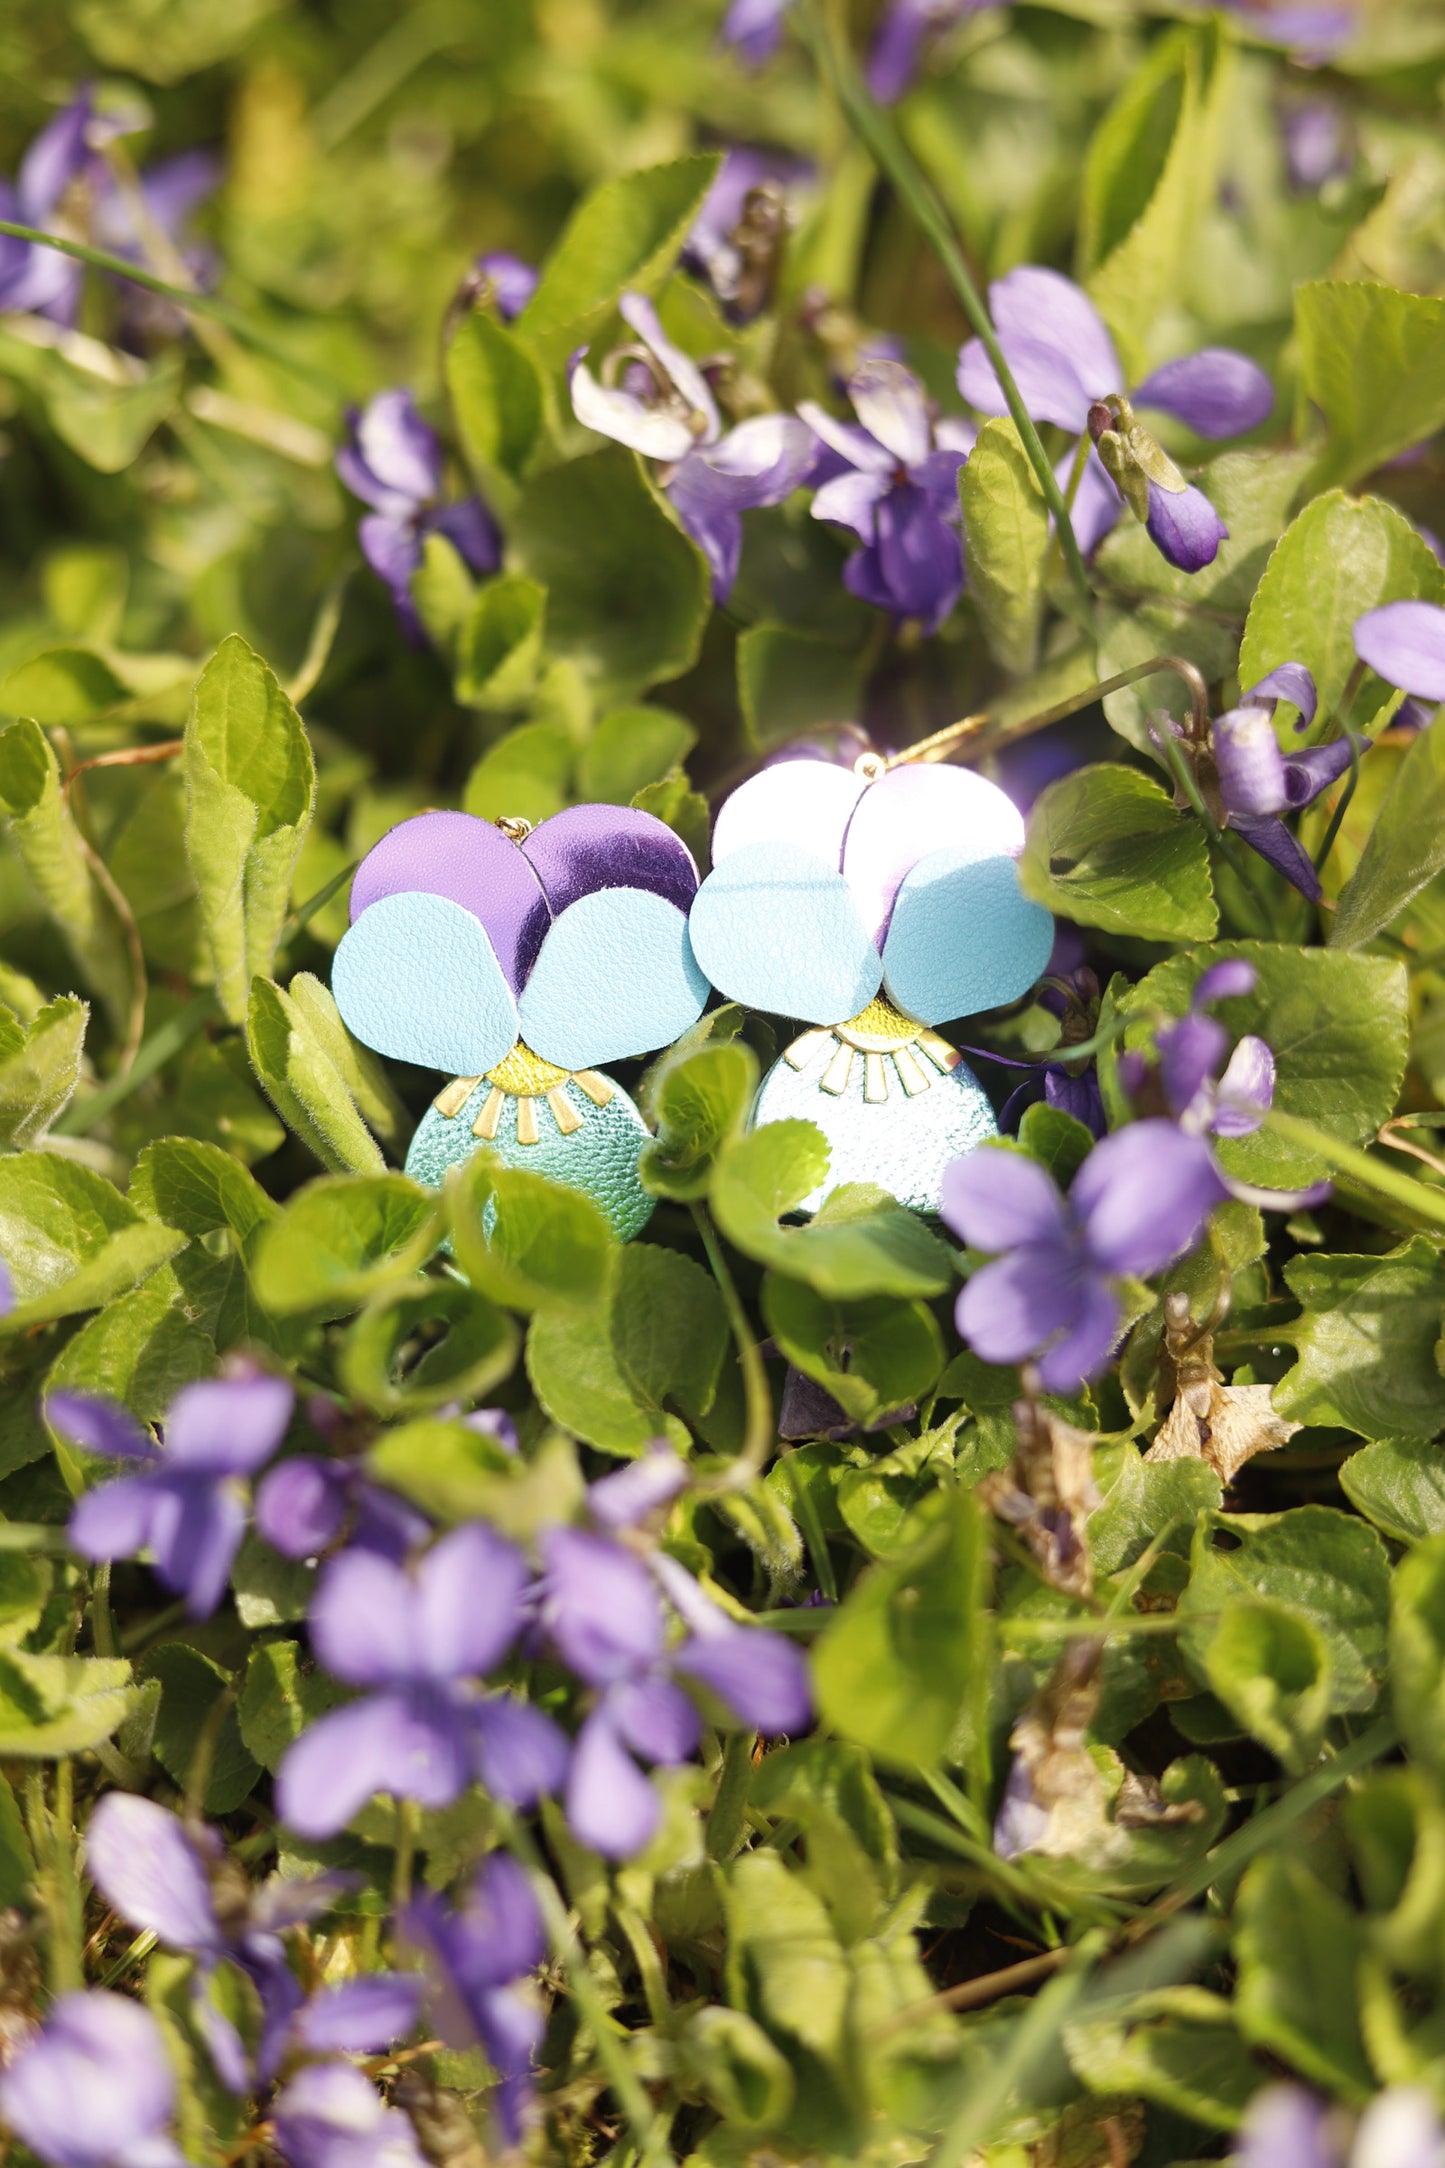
417,978
600,1158
775,928
615,976
964,937
902,1143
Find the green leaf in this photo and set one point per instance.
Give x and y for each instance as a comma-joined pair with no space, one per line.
17,1861
1336,1025
1404,849
291,1058
649,1353
423,1343
282,1694
70,1240
454,1473
108,413
1193,2063
861,1242
1399,1484
1141,1502
1005,540
1365,1346
791,681
735,2066
621,238
1298,1948
784,1947
1372,359
526,775
872,1356
42,831
251,785
139,1350
1057,1140
499,649
38,1077
361,1071
577,1378
526,1241
1417,1651
630,748
682,809
1271,1669
894,1668
1340,557
627,592
209,1196
339,1239
498,395
52,1705
699,1104
191,1687
1106,848
1324,1564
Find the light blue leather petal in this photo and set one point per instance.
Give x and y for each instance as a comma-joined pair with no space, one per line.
964,937
775,928
615,976
416,977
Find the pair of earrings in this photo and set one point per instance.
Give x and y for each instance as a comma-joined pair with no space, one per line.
870,905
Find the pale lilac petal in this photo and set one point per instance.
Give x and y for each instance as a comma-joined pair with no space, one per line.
851,444
502,1922
1400,2129
656,432
655,1718
114,1521
717,531
361,2017
145,1865
400,449
1246,1089
1285,2127
58,156
1190,1055
1224,982
224,2044
753,29
363,1620
642,1488
851,500
300,1506
760,462
995,1199
511,282
1080,1352
893,55
331,2116
937,476
1144,1195
599,1606
95,2084
1404,643
289,1900
1251,765
1036,303
888,400
762,1677
359,479
1184,527
392,547
637,311
518,1752
1048,380
1022,1818
1011,1308
1217,392
954,434
409,1745
196,1530
468,1602
921,558
610,1804
227,1426
98,1426
1291,681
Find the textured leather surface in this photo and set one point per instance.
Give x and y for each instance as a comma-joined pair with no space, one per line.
964,937
416,978
615,977
902,1143
806,804
609,846
600,1158
470,862
910,813
775,928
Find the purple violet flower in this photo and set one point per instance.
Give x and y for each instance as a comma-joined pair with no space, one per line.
1139,1201
1064,362
1316,144
1313,30
1404,643
476,1954
393,461
331,2116
735,244
892,477
1212,1091
177,1880
1286,2127
898,45
418,1640
1259,784
754,28
310,1503
186,1504
506,281
95,2087
1073,995
655,399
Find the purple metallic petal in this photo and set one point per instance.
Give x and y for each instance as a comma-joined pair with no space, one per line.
1291,681
1282,850
512,282
911,811
648,1483
655,1718
609,846
610,1804
227,1426
1035,303
1285,2127
1404,643
1224,982
473,864
95,2083
801,802
413,1746
468,1602
114,1521
626,417
398,447
1015,1306
1080,1352
1246,1089
58,156
1217,392
363,1620
761,1677
888,400
147,1867
472,532
1143,1196
99,1426
1309,773
996,1200
599,1606
518,1752
197,1523
361,2017
1184,527
1191,1054
300,1506
1046,373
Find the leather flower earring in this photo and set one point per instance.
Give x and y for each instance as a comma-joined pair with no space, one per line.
518,959
873,907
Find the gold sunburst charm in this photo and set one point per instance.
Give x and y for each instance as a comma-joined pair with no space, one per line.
525,1077
880,1033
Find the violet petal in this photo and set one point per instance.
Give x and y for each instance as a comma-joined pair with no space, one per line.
996,1200
1217,392
1184,527
1144,1195
1404,643
610,1804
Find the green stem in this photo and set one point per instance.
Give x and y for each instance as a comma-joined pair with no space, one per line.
1420,1197
886,147
1343,807
760,1434
166,1041
649,1965
195,304
1034,2038
725,1819
403,1862
102,1625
